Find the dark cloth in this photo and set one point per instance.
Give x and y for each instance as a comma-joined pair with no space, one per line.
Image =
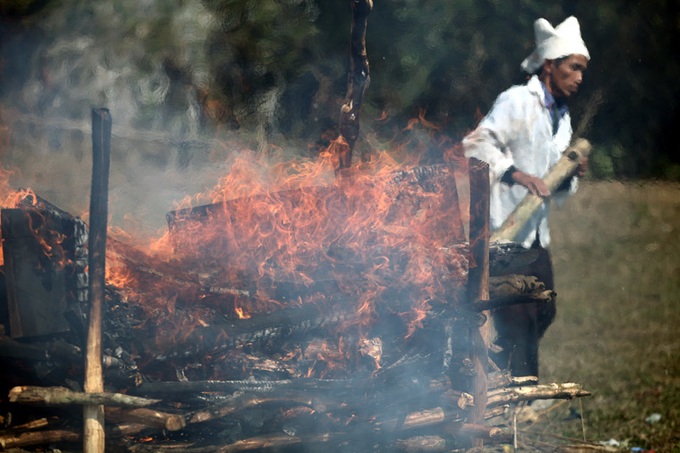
520,327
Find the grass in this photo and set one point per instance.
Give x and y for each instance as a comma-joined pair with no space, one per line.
616,251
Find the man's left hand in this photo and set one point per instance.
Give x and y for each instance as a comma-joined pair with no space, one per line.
582,167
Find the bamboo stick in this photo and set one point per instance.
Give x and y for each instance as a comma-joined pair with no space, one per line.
93,434
564,168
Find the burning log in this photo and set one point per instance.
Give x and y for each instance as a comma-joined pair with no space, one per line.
61,396
44,268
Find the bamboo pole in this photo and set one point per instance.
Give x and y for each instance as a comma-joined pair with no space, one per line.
564,168
93,430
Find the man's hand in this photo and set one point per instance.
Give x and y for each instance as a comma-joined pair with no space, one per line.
582,167
535,185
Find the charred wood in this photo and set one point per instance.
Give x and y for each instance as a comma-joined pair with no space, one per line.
510,258
255,330
504,301
31,439
358,80
147,417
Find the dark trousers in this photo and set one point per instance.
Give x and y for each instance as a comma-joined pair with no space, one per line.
520,327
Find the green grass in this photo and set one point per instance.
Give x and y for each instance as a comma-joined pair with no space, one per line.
616,250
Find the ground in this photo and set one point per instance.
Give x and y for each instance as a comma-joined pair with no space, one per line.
616,250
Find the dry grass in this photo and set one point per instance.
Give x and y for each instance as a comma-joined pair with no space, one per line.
616,251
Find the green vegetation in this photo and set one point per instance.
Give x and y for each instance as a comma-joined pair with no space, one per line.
278,67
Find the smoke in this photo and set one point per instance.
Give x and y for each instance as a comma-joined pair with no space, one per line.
149,63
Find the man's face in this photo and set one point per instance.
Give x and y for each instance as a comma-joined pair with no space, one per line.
565,78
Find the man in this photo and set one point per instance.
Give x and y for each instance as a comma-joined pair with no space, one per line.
522,138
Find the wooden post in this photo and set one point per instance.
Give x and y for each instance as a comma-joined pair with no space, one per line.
358,80
564,168
93,434
478,281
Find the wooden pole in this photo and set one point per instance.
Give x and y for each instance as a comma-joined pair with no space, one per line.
564,168
478,282
93,433
358,80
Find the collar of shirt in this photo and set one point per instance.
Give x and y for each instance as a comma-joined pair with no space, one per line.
552,104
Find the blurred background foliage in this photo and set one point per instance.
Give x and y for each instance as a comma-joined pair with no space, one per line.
277,69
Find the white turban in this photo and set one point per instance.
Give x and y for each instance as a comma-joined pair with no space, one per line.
552,43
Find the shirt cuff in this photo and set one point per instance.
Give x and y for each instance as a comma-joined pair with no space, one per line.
507,176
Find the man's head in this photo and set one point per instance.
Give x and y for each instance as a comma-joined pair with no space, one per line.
560,54
563,76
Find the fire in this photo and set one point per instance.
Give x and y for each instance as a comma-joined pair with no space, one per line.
241,313
379,241
374,249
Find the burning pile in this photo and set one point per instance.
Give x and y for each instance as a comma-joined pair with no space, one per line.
336,314
343,295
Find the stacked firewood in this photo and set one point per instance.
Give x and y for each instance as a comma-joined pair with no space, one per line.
204,353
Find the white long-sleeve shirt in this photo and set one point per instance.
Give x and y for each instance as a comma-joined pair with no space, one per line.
518,132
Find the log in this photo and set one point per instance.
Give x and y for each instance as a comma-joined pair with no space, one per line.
38,438
13,349
490,433
535,392
239,404
504,301
61,396
503,378
93,435
416,444
147,417
358,79
514,289
564,169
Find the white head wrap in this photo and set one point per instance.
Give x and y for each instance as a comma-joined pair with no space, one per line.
552,43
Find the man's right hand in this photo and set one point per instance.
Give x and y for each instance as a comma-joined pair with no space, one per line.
535,185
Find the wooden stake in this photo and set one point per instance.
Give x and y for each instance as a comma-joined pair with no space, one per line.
478,282
93,433
564,168
358,80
